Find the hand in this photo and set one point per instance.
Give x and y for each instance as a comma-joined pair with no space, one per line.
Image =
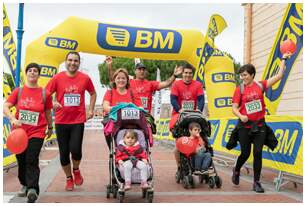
145,161
57,105
287,55
89,115
15,122
178,70
181,110
120,162
244,118
49,132
109,60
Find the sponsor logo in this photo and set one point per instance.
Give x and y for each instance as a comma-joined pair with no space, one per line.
124,38
61,43
48,71
223,77
223,102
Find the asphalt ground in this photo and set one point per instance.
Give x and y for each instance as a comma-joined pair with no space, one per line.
94,168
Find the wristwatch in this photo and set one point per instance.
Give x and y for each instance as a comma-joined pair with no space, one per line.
284,58
176,76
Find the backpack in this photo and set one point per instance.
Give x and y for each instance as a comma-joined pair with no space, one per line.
43,95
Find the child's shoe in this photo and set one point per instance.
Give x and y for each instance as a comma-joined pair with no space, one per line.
127,186
144,185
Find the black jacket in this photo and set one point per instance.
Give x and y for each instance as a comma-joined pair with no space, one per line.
270,140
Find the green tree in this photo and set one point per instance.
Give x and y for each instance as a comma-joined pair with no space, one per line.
166,68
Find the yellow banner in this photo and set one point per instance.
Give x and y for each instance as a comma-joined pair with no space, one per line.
291,28
77,34
287,156
220,85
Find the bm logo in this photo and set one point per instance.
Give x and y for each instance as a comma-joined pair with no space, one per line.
123,38
48,71
61,43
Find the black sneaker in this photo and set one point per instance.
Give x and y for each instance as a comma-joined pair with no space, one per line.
32,195
235,177
22,192
257,187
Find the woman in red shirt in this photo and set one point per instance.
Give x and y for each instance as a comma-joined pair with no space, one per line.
33,115
120,92
249,107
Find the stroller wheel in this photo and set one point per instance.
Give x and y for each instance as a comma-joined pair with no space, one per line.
177,177
191,182
115,191
211,182
121,196
144,193
206,178
186,182
150,196
218,181
108,191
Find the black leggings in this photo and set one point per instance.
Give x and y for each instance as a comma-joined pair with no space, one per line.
69,138
246,139
28,164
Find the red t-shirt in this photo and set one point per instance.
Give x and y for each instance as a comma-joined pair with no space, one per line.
144,89
187,94
116,98
251,102
70,93
31,107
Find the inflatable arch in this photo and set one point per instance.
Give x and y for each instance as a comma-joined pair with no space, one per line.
77,34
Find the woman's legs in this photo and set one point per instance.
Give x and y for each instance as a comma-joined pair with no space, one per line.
32,163
245,142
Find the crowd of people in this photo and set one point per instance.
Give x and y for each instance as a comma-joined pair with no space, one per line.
68,89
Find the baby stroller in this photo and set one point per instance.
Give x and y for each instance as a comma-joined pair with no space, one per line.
129,118
186,171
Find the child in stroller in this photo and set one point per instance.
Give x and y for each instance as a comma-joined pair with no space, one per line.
202,157
129,154
130,120
187,163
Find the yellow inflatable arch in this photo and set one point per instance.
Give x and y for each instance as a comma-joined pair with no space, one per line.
82,35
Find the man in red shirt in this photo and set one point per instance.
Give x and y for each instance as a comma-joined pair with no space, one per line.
144,88
70,114
186,94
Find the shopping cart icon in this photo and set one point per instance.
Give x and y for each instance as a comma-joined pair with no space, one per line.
117,37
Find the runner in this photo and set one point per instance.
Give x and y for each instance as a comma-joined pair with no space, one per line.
249,107
186,94
120,91
70,115
144,88
33,115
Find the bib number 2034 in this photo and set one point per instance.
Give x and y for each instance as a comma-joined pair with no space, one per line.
28,117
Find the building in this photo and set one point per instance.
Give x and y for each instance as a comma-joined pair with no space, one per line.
261,23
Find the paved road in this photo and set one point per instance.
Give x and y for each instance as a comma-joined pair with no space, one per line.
94,168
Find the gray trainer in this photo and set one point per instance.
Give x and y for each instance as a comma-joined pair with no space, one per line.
32,195
22,192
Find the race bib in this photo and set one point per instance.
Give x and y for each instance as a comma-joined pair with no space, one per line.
253,106
144,102
129,113
72,100
28,117
188,105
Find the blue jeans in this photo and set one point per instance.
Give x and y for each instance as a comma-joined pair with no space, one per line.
202,160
